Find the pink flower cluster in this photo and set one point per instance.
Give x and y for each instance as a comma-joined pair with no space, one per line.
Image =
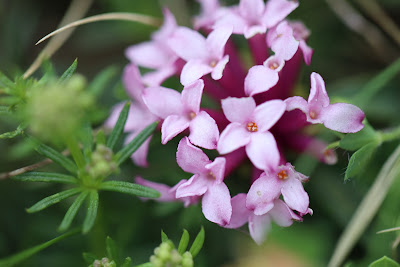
255,118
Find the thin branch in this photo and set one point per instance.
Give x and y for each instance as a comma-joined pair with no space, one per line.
108,16
76,10
367,209
388,230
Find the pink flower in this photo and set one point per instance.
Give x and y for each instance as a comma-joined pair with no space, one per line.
207,181
282,41
301,33
249,127
341,117
182,111
211,11
259,225
203,55
286,181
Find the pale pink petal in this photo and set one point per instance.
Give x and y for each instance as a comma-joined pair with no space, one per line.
263,151
260,79
342,117
196,186
217,168
233,137
268,113
294,195
133,82
296,102
162,188
155,78
216,41
262,194
190,158
277,10
251,30
274,63
307,52
259,227
240,214
318,95
204,131
148,54
232,19
172,126
238,109
139,157
191,96
216,204
188,44
284,44
167,28
194,70
282,215
251,9
216,73
162,101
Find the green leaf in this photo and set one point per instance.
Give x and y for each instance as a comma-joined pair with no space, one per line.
12,134
54,155
164,237
147,264
130,188
384,262
4,110
197,243
359,160
87,141
184,242
128,150
127,262
354,141
69,72
6,83
71,213
99,83
91,212
46,177
119,126
101,138
111,249
89,258
23,255
53,199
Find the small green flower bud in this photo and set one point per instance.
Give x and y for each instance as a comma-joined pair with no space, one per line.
175,257
187,259
97,263
156,261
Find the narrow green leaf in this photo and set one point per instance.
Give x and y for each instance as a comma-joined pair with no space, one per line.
119,126
53,199
54,155
197,243
23,255
127,262
91,212
359,160
89,258
111,249
384,262
184,242
354,141
5,82
69,72
147,264
12,134
87,141
130,188
71,213
47,177
128,150
101,138
99,83
164,237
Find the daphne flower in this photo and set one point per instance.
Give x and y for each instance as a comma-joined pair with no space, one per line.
341,117
207,181
203,55
249,127
282,41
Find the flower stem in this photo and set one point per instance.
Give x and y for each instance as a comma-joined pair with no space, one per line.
390,135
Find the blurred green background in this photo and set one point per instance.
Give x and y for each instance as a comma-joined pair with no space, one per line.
343,57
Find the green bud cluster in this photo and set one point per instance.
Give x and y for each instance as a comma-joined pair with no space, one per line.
104,262
101,163
166,255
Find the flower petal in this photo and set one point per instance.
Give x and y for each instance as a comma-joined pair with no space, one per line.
133,82
342,117
172,126
155,78
284,44
318,95
296,102
216,204
217,168
190,158
196,186
260,79
259,226
162,101
139,157
240,214
294,195
194,70
162,188
191,96
216,73
238,109
204,131
233,137
277,10
282,214
188,44
263,151
216,41
307,52
262,194
268,113
167,28
148,54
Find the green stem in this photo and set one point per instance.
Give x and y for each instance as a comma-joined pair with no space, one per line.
390,135
76,153
333,145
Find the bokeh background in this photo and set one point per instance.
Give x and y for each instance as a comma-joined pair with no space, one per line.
346,54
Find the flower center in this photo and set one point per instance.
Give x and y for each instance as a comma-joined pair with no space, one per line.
192,115
211,176
273,66
283,175
313,114
252,127
213,63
